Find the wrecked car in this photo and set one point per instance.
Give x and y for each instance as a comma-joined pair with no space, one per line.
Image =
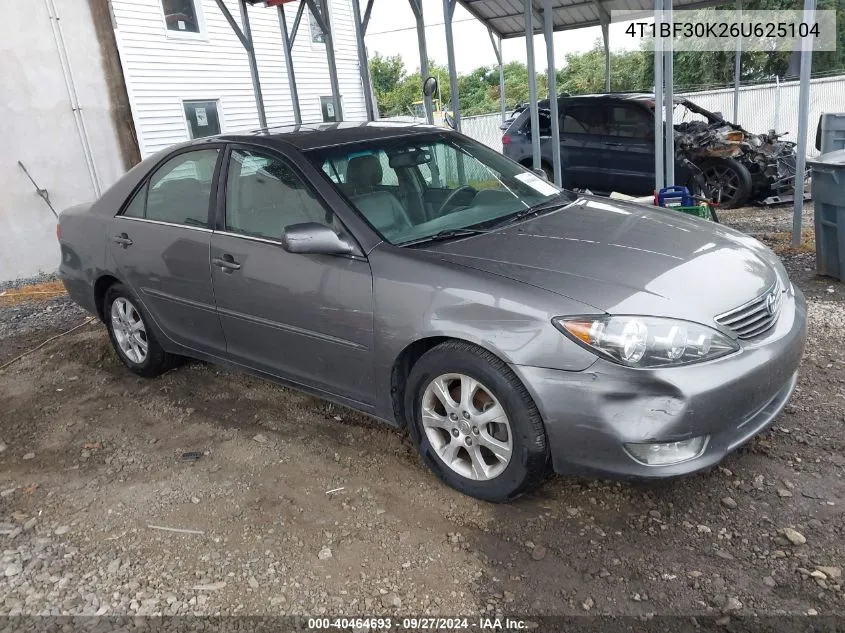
607,144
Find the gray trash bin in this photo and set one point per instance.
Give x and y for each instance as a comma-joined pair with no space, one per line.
831,133
829,208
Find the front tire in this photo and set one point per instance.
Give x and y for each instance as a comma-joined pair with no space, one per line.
474,423
131,335
728,177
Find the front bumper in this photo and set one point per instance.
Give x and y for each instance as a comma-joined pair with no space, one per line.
590,415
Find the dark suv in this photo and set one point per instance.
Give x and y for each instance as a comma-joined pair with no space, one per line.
607,144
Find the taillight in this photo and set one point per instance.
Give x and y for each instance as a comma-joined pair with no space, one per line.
506,139
58,231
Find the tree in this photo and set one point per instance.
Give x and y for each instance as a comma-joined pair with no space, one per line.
583,73
386,72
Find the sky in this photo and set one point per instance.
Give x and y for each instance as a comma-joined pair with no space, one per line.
392,31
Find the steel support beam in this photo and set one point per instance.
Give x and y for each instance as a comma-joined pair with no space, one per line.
297,21
287,43
417,8
532,84
551,72
245,36
497,48
604,20
737,65
448,13
363,63
321,14
669,99
659,131
803,123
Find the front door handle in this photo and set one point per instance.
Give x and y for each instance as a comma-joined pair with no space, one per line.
123,240
226,263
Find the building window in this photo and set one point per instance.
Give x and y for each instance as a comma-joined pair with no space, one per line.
181,16
328,108
317,35
202,118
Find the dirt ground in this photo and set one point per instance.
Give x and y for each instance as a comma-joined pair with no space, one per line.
296,506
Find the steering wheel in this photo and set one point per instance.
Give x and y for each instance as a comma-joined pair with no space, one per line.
464,190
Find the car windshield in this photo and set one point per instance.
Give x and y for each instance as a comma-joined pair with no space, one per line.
413,188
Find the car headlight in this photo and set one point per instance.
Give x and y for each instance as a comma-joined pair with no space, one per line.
644,342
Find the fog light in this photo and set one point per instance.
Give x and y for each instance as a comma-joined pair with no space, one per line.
665,453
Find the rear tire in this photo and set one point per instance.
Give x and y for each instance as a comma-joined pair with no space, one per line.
131,335
468,455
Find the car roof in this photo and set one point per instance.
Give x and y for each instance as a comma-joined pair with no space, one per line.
313,136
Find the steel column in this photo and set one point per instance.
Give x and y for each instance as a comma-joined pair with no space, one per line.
497,48
321,14
532,84
551,72
363,66
659,180
737,64
288,45
253,66
245,36
448,12
605,35
604,21
803,123
669,100
417,8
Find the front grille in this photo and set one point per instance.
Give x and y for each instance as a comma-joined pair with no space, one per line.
756,316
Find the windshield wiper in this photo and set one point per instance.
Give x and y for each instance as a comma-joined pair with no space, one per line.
442,236
524,213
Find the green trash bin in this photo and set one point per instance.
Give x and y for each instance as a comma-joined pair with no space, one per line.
828,186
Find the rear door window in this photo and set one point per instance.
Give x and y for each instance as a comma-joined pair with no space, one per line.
585,119
630,122
180,190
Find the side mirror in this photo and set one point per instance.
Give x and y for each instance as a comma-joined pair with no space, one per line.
429,86
314,238
541,172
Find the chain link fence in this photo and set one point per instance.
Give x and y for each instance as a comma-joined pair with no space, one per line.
762,107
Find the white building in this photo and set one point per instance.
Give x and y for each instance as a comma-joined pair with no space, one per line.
88,90
181,58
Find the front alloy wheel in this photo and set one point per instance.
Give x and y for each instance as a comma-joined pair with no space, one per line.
466,426
474,423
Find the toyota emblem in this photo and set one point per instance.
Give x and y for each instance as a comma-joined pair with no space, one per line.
771,300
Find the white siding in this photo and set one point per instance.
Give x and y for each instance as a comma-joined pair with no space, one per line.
163,69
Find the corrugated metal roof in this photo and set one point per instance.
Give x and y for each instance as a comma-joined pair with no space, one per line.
507,17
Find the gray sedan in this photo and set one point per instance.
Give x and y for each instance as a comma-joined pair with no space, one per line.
417,276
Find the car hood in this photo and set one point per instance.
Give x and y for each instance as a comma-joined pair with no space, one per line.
625,258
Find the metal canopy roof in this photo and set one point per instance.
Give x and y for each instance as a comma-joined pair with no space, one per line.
506,18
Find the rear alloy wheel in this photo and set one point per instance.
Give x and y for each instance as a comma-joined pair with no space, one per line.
129,330
131,335
727,182
474,423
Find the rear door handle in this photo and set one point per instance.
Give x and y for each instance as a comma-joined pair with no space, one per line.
123,240
226,263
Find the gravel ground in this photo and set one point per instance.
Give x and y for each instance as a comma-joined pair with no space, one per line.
296,506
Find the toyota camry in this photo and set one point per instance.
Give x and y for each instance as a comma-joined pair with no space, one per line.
413,274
